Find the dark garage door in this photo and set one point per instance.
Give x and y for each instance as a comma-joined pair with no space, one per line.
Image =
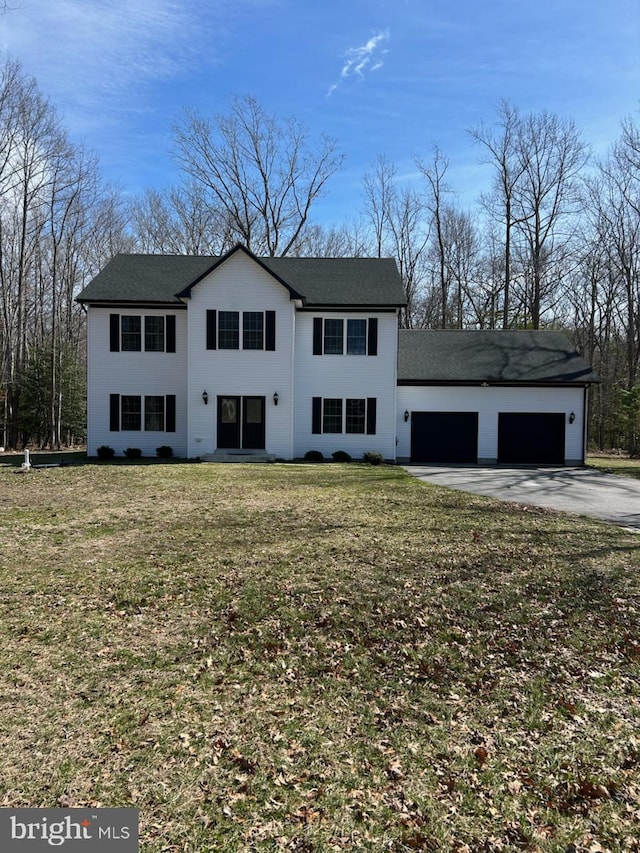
533,438
444,436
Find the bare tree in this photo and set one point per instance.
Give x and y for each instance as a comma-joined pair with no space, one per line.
51,231
501,152
461,249
547,198
180,220
261,171
434,172
379,192
396,217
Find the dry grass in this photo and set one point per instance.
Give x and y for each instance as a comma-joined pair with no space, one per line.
622,465
317,658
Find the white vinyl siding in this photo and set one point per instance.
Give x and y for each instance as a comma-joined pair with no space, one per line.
240,285
134,374
346,378
489,402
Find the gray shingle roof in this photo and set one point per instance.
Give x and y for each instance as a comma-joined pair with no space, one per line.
512,357
318,281
144,278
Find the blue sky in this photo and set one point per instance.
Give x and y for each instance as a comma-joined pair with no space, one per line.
380,76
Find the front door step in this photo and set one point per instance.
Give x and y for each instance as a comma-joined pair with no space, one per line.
238,456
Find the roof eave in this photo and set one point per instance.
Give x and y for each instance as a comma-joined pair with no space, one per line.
492,383
356,306
131,303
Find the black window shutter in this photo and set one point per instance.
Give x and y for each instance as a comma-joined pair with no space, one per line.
170,333
316,415
372,338
114,332
317,335
114,412
371,415
211,329
270,330
170,414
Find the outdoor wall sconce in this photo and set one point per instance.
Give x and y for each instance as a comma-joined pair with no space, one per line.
406,416
275,399
205,397
572,417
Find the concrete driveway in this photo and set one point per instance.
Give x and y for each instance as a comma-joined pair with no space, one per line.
585,491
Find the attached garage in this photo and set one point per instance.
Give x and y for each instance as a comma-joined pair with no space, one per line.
487,397
531,438
444,437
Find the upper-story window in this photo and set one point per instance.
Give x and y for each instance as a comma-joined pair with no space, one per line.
154,334
131,336
336,336
258,330
253,330
356,337
333,338
228,330
138,333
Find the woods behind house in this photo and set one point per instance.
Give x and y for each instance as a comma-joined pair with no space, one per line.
553,242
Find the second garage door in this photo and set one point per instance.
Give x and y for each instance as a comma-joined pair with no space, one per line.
444,436
533,438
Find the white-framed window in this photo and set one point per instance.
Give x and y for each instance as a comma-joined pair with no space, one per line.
340,336
142,412
142,333
228,330
246,330
351,415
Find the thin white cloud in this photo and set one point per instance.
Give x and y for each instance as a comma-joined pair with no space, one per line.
97,59
362,60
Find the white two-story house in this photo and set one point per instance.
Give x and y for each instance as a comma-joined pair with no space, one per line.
240,353
277,356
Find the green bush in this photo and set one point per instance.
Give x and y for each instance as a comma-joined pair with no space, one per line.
133,453
105,452
373,457
341,456
314,456
164,451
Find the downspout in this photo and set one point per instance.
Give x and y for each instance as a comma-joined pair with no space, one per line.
585,418
296,304
395,389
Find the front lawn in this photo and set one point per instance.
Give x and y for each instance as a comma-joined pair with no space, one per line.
317,658
621,465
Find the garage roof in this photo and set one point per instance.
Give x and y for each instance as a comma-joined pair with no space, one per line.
450,357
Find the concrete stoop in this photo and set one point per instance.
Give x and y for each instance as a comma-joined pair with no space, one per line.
238,456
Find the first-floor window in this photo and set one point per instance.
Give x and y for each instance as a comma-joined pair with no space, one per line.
131,411
356,415
135,412
154,413
352,416
331,415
